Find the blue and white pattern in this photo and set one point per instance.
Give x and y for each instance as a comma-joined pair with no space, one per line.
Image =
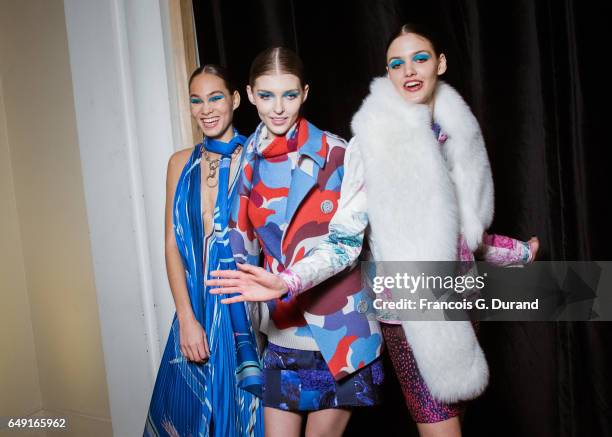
298,380
219,397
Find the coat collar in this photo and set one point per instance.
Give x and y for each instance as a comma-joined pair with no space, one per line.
314,146
304,177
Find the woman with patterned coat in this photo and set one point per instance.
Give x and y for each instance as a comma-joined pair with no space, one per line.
323,349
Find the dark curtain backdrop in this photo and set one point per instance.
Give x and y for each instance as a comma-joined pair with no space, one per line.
535,75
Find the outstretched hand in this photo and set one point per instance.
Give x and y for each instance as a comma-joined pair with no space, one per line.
534,245
252,284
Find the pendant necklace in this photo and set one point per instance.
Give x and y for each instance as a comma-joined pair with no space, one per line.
213,165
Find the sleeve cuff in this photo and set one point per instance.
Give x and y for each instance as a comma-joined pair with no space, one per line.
293,281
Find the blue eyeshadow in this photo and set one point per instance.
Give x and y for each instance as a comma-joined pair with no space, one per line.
396,63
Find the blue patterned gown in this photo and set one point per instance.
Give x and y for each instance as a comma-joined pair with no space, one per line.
215,398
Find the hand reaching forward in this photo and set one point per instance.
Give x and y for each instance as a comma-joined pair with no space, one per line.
253,284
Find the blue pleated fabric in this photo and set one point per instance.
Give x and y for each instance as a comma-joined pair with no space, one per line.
220,397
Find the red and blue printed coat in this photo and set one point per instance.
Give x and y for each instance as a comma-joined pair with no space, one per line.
283,211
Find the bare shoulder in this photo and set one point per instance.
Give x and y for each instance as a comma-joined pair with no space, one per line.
178,160
176,163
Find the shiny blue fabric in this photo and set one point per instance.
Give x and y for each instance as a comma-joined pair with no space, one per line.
220,397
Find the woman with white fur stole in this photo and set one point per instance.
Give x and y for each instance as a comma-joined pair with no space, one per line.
418,180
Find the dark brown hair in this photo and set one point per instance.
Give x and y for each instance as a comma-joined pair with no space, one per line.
277,59
422,30
216,70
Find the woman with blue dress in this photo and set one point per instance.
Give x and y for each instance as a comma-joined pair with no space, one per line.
209,378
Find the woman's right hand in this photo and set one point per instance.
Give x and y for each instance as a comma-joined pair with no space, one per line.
252,283
194,344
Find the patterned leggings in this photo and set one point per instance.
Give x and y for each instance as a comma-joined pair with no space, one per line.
495,249
422,406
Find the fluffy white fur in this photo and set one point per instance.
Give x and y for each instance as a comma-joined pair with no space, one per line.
468,163
418,202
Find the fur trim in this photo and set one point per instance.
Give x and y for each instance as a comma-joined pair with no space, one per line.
468,163
404,168
449,358
418,203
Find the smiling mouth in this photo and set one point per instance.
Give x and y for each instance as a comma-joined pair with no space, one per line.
278,121
211,122
413,85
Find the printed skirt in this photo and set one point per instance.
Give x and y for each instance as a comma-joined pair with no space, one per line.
299,380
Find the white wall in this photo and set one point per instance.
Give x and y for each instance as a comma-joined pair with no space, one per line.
123,111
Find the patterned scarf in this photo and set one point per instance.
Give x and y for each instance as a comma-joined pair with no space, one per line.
279,146
248,370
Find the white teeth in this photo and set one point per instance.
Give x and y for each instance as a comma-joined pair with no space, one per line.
210,122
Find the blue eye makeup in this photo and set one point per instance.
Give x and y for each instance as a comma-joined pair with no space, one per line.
396,63
421,57
264,94
216,98
195,100
291,94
